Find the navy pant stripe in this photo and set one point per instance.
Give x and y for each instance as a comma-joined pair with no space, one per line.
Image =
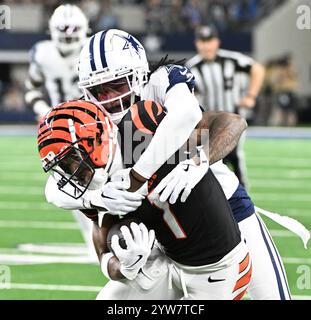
279,259
282,295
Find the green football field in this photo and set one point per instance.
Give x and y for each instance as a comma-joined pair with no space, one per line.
42,255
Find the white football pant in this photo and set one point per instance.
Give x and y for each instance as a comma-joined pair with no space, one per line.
164,279
269,280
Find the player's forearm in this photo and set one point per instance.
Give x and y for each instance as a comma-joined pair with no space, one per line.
174,130
110,265
114,269
256,80
225,130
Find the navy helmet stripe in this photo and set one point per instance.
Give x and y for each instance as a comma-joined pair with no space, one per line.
102,49
91,49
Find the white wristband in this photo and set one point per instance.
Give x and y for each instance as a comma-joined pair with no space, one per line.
104,263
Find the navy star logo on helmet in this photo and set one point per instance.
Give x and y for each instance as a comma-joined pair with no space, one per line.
130,40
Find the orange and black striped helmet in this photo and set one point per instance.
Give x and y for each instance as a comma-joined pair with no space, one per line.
74,139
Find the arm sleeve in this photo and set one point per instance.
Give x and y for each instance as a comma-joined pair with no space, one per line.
183,114
60,199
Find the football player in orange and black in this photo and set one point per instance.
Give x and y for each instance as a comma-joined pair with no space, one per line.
204,255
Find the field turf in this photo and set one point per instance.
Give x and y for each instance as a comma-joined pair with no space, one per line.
43,247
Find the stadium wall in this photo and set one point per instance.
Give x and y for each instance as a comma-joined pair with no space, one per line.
279,33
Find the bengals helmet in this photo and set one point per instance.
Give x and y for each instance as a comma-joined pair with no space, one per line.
74,139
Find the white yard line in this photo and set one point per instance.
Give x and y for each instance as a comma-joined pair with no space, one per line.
300,297
283,234
288,164
76,249
54,287
274,161
22,190
294,260
22,176
269,183
27,162
38,224
305,197
18,259
292,212
286,174
50,248
24,205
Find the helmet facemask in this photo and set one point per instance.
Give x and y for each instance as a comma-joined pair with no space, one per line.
73,171
124,87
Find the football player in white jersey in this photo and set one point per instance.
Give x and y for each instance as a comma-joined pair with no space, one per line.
113,71
53,71
53,67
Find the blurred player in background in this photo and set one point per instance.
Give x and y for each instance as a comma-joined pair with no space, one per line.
53,73
53,68
222,76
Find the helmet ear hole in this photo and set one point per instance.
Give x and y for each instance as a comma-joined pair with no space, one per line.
90,142
98,138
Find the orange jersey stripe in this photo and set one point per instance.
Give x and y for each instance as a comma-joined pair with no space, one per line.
137,121
148,107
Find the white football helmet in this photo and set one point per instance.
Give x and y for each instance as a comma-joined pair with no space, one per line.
68,26
113,68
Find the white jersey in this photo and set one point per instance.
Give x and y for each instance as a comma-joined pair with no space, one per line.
161,81
58,74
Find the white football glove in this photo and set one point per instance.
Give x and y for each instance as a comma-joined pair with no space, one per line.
113,199
184,178
124,177
139,246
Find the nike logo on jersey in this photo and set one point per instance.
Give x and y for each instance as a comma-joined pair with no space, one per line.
210,280
139,258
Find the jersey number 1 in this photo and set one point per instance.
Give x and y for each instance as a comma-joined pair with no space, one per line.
168,215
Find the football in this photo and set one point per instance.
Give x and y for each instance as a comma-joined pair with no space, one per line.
115,229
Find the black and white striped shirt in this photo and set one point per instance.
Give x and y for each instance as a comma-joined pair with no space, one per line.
220,84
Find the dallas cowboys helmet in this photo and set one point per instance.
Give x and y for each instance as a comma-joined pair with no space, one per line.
68,26
113,68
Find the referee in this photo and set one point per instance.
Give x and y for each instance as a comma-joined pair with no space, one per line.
225,81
